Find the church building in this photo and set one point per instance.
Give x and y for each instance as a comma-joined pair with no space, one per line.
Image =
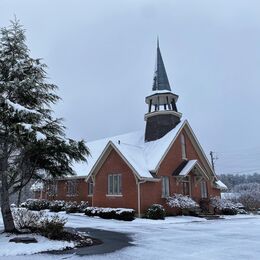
138,169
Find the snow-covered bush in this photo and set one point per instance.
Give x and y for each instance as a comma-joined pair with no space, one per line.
26,219
71,207
35,204
111,213
57,205
248,195
39,222
156,211
182,202
52,227
82,206
225,206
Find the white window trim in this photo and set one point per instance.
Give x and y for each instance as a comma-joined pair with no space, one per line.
203,189
165,189
114,195
119,183
69,193
89,183
187,181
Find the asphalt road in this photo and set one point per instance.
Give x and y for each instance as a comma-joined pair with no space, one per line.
112,241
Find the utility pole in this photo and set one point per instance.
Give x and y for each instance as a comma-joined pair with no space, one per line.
213,159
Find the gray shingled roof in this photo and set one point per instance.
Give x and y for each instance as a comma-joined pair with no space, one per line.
160,81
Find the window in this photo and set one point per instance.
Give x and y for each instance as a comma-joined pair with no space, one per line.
52,188
165,187
203,189
72,188
183,147
90,188
114,184
186,186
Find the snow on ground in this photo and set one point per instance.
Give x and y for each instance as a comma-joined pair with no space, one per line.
235,237
44,244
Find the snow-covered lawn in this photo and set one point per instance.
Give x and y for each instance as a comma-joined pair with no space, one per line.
44,244
177,238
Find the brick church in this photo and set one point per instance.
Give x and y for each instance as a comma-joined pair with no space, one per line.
138,169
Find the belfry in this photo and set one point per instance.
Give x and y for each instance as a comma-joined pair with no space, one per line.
162,114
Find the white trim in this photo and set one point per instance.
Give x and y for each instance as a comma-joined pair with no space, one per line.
114,195
162,112
199,148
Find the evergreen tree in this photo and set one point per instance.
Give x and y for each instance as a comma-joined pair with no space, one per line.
32,140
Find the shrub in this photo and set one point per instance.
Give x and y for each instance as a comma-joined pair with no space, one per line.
52,227
225,206
82,206
25,219
185,204
111,213
156,211
71,207
57,205
35,204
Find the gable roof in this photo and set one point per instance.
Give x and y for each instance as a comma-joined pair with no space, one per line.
186,167
143,157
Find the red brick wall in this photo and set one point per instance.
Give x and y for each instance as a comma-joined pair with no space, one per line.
82,192
114,164
151,192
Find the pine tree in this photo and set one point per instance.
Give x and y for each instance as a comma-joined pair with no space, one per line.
32,140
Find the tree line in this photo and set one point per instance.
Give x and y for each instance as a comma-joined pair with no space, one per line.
231,180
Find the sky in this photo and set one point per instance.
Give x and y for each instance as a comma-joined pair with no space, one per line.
101,54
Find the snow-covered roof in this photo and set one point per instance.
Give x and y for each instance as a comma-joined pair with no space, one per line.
143,156
221,185
188,167
37,186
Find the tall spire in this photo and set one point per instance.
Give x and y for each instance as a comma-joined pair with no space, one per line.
160,80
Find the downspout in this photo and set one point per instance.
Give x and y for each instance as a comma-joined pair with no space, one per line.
139,196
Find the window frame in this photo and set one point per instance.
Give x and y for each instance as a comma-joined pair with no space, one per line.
72,188
183,147
114,187
203,189
186,183
52,188
90,188
165,186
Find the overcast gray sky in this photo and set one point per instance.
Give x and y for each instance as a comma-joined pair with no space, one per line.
101,54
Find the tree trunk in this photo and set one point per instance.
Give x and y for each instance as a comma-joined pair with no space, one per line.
5,203
19,197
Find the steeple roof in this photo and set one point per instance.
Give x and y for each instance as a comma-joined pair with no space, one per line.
160,80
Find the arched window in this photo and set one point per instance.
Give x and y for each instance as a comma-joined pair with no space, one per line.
183,147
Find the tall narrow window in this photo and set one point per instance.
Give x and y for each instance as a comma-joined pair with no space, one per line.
165,187
114,184
203,189
90,188
183,147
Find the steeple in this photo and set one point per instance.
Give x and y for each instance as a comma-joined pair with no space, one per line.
162,114
160,80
